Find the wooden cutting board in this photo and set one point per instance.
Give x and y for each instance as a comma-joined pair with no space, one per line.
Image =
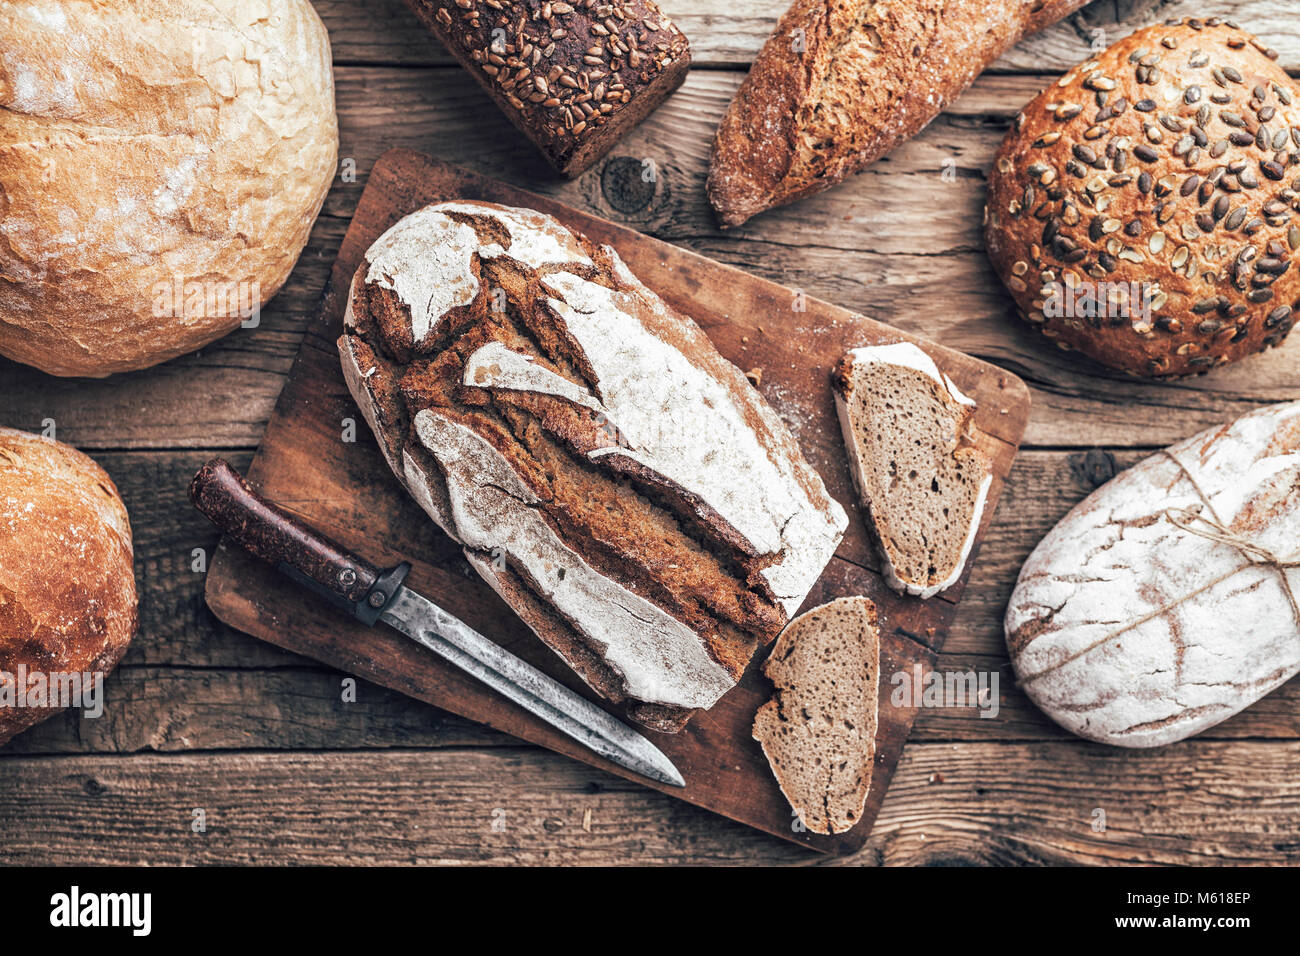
308,465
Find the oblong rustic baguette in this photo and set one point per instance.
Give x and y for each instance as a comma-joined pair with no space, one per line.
620,484
841,83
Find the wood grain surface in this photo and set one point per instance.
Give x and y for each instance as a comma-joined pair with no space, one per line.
201,715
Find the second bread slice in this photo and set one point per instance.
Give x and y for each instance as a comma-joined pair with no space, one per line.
819,730
910,437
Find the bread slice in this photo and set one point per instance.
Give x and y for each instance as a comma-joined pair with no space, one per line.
910,436
819,730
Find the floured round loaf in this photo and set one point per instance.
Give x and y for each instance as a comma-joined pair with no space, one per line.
67,589
162,164
1127,628
1143,208
623,487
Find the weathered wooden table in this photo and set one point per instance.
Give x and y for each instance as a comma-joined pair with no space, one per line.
200,717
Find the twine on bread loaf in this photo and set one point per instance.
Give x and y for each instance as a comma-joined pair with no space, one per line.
1211,529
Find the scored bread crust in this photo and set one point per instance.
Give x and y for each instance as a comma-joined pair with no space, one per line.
906,355
843,82
1168,166
621,485
1136,625
67,588
818,731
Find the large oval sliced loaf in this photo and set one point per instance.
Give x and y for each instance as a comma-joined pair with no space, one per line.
623,487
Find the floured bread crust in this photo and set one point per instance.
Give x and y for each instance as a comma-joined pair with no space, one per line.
622,485
1128,629
162,162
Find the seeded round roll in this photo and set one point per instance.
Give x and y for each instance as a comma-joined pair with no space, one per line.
1142,210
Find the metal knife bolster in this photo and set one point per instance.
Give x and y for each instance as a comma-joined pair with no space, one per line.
326,568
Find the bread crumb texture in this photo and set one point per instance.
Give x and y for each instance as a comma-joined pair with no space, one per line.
819,730
923,481
67,589
161,165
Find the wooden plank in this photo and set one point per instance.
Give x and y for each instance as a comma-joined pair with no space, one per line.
293,707
726,34
1007,804
858,246
177,629
346,490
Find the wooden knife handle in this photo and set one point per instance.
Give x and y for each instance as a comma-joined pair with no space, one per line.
281,540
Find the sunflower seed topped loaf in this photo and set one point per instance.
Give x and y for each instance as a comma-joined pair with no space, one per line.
573,77
622,486
1143,209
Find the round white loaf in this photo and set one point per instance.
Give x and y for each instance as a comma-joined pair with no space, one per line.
1135,623
161,165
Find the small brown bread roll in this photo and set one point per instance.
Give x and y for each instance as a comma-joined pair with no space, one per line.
573,77
1143,208
67,591
161,165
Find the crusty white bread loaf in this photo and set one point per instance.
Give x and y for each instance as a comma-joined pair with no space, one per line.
1143,209
910,435
624,487
1169,599
573,77
67,589
163,162
843,82
819,729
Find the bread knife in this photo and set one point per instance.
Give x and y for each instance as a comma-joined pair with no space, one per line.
372,595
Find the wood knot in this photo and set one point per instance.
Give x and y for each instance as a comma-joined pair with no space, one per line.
1094,467
629,184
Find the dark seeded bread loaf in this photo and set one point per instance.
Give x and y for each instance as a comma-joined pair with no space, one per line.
1143,209
573,77
910,437
620,484
819,730
843,82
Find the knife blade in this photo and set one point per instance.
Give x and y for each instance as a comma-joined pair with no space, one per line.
425,623
373,595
